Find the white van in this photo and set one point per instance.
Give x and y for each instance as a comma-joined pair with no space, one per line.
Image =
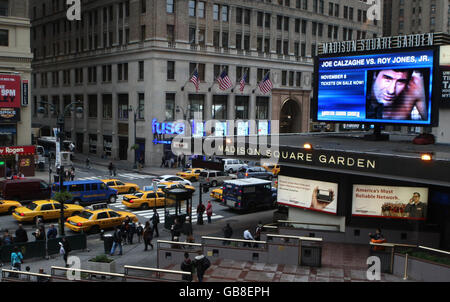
233,165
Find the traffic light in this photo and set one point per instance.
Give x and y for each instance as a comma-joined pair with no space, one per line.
2,163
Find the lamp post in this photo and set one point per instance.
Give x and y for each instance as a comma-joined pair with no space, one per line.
60,139
130,109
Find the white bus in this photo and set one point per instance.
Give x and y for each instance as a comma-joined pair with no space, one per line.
49,144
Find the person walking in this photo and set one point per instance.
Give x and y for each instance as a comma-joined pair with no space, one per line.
227,233
258,232
39,235
88,163
124,231
187,266
52,232
21,235
176,230
148,236
163,161
72,174
248,236
155,221
209,211
65,249
117,241
131,231
7,238
110,168
187,229
16,259
201,264
200,211
139,232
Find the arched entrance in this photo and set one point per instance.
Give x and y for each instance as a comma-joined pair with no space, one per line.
290,117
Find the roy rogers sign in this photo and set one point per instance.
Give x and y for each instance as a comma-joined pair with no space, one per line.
25,150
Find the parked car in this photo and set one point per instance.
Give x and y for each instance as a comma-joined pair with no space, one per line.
26,189
233,165
45,209
255,172
172,178
212,178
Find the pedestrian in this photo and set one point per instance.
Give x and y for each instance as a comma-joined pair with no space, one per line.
16,259
88,163
42,278
7,238
201,264
21,234
148,236
72,174
183,161
163,161
37,235
67,175
131,231
175,229
65,249
42,231
200,211
227,233
187,266
139,231
209,210
248,236
114,170
52,232
155,221
258,232
39,223
172,163
111,168
187,228
117,241
124,231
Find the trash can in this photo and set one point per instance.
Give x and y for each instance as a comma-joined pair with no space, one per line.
108,243
311,254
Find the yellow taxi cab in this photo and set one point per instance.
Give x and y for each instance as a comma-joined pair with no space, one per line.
45,209
95,220
121,187
173,185
8,206
217,194
145,200
190,174
275,169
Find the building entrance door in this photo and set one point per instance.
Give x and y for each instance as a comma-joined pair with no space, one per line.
290,118
123,148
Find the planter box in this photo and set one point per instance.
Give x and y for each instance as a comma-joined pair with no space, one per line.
421,270
101,267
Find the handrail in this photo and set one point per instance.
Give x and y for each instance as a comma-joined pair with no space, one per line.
295,237
434,250
392,244
231,239
179,243
26,273
157,270
87,271
298,222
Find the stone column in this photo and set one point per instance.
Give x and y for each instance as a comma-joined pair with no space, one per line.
99,125
231,113
115,119
85,124
252,107
208,106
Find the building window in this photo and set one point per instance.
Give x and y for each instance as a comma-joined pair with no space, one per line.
241,105
123,106
4,37
107,106
144,6
55,78
267,18
170,106
122,72
284,78
170,8
196,102
201,9
238,15
93,143
141,106
171,70
262,108
191,8
247,16
291,78
78,75
219,107
224,13
298,79
4,8
259,19
171,34
141,71
92,105
216,12
92,74
143,32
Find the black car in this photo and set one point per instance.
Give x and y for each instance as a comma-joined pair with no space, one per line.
255,172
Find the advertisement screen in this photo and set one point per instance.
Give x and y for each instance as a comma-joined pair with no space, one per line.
221,129
308,194
390,202
388,88
197,129
242,129
444,62
263,128
10,91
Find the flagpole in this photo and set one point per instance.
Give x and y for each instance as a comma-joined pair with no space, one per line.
215,81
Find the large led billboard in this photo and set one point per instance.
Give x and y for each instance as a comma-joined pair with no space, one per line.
379,88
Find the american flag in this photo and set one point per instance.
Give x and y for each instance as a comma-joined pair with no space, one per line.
194,79
224,81
242,82
266,84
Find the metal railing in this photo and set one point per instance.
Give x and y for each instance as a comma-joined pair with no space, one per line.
90,273
28,275
156,271
237,243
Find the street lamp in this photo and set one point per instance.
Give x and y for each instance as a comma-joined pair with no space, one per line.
130,109
60,123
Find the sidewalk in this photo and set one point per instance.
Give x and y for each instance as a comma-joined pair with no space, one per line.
80,160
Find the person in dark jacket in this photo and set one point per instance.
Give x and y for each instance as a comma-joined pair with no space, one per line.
52,232
117,241
65,245
111,168
155,221
148,236
201,264
187,266
21,234
176,229
187,230
227,233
